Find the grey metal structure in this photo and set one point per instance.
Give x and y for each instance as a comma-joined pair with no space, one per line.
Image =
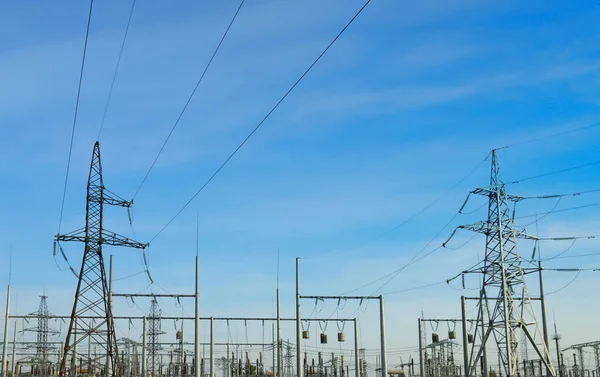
154,333
92,293
42,346
504,302
580,368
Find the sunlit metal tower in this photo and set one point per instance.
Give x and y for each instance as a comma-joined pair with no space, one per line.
505,304
92,293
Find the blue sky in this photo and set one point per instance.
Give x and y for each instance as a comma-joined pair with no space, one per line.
406,103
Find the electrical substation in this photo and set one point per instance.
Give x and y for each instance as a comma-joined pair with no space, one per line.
86,342
494,318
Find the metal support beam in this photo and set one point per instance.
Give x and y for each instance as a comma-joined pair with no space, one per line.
144,349
278,347
465,336
421,356
298,325
197,322
212,348
356,360
3,370
544,324
383,344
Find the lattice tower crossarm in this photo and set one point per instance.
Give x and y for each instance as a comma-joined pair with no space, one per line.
91,294
503,276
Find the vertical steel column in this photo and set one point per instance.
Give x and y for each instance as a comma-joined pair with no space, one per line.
299,365
278,336
144,349
228,372
197,322
212,347
544,322
110,290
484,353
421,359
14,353
465,336
356,360
274,362
74,354
89,354
383,345
5,344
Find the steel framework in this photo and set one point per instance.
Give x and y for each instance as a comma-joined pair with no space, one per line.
42,345
504,300
580,369
154,334
92,293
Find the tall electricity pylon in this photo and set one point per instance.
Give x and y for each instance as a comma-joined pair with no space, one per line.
502,310
92,293
154,335
42,347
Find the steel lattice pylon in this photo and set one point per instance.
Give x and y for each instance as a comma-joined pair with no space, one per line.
42,347
154,334
504,300
91,295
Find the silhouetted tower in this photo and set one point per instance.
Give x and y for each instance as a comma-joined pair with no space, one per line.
154,337
504,299
91,295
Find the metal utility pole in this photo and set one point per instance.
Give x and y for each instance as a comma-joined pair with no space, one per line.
465,336
503,276
556,338
356,360
197,318
212,347
3,370
421,356
279,349
14,353
544,321
144,349
298,324
383,343
92,296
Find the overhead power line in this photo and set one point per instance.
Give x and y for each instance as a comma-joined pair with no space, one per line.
555,196
555,172
189,98
112,85
408,219
549,136
263,120
87,33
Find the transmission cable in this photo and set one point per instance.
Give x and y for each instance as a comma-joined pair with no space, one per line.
413,260
189,98
87,33
555,172
263,120
549,136
410,218
112,85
